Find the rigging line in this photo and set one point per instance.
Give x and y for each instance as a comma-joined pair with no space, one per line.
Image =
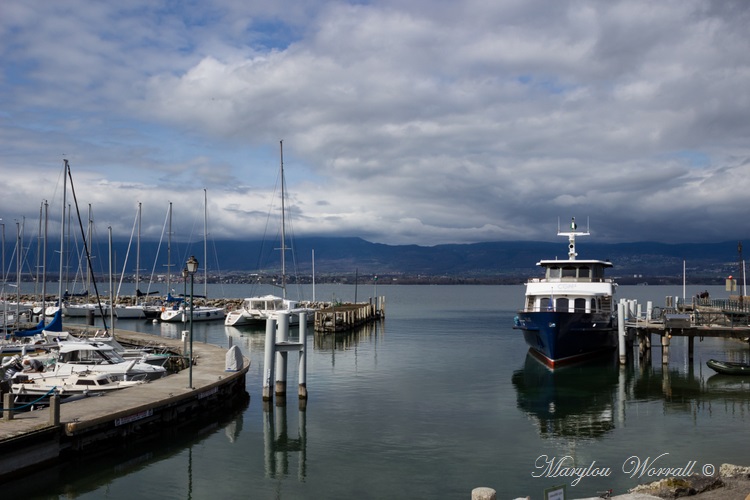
158,250
127,255
85,247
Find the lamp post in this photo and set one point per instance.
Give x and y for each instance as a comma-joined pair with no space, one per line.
191,268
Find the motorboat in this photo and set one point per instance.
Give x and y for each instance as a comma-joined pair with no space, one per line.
181,313
77,356
37,390
151,355
569,314
82,310
256,310
728,367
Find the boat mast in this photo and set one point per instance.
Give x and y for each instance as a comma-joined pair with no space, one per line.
62,234
283,224
205,246
138,256
571,234
169,249
18,271
111,284
44,261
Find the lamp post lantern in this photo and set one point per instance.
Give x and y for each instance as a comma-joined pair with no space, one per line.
191,268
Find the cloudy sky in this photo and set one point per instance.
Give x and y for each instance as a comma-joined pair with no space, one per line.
419,122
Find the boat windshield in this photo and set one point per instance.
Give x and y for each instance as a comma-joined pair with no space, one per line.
91,357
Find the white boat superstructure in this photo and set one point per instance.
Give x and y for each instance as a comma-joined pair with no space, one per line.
78,356
256,310
89,383
181,314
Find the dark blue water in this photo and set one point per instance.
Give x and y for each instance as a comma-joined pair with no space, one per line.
438,399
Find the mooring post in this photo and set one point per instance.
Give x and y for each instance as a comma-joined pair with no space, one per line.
665,348
621,333
268,359
8,406
302,366
282,336
649,310
54,410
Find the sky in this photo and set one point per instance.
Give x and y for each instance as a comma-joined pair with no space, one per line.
419,122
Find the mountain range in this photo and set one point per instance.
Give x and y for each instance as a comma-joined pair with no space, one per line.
507,261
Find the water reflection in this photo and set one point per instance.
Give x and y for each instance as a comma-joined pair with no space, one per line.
277,444
574,401
345,341
588,400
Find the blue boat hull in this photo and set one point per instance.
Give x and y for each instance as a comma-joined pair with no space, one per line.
564,337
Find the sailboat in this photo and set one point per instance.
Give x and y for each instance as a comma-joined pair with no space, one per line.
256,310
182,312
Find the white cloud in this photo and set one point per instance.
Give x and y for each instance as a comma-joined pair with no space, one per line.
424,123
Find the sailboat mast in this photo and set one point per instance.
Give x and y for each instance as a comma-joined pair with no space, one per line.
169,249
62,233
138,255
205,245
111,284
44,260
18,271
39,247
283,223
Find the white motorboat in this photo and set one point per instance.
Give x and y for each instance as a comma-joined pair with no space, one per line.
77,356
28,389
181,314
84,309
152,355
256,310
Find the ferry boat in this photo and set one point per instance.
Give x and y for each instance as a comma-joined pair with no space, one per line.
570,314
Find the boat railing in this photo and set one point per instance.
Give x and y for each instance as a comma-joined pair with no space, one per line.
570,280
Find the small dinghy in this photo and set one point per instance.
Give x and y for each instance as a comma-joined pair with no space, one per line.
728,367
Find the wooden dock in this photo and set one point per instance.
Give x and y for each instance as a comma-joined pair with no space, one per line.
723,318
31,438
343,317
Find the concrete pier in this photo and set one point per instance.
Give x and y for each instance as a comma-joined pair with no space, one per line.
33,438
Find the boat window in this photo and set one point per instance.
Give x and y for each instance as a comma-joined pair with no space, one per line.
568,272
561,304
580,305
86,382
584,272
553,272
544,304
598,272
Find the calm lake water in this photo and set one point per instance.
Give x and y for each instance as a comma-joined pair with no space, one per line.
439,398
